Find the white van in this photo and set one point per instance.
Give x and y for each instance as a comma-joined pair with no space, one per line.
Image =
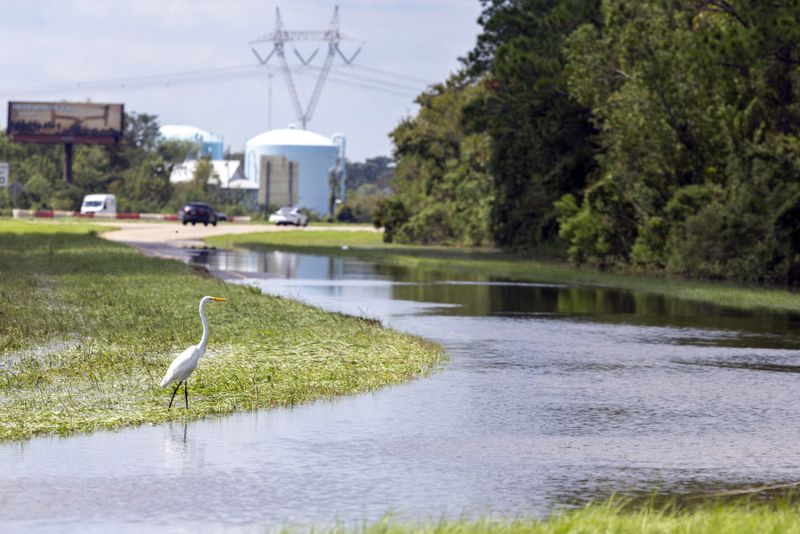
99,204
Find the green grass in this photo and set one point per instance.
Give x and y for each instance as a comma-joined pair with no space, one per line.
317,240
89,327
496,265
616,517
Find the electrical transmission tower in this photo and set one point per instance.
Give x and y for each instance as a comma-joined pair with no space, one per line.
333,36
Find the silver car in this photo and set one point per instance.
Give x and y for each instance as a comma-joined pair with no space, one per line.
289,215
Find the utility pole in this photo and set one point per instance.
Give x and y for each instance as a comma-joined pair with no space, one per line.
280,36
269,113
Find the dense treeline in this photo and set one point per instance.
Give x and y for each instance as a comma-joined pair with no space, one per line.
441,186
658,134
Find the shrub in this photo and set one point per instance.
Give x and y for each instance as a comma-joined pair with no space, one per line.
390,214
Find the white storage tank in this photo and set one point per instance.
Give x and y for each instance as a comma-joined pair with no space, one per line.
313,154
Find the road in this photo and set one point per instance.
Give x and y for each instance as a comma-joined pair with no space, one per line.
175,241
178,235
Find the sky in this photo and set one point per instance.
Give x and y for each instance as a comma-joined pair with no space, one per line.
190,61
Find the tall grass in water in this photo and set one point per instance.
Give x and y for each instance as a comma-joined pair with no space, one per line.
615,517
88,327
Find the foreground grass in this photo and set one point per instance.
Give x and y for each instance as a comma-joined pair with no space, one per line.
495,265
88,328
712,518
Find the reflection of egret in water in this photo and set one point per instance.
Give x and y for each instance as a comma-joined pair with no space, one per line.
176,448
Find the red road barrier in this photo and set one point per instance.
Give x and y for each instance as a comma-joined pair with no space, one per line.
21,214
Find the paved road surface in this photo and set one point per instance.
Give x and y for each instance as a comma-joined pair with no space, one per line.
176,234
174,241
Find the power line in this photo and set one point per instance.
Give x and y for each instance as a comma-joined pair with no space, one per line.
215,75
389,73
378,83
133,81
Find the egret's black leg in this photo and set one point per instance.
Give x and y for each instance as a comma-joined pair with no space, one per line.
173,394
186,393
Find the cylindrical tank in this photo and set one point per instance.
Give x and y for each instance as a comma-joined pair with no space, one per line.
313,153
208,144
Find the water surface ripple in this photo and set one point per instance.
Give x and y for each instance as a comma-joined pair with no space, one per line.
553,395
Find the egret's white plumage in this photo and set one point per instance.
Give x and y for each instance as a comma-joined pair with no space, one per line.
184,365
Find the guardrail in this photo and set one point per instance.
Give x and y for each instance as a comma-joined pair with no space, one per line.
58,214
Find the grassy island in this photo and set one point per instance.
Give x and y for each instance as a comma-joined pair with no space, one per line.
88,328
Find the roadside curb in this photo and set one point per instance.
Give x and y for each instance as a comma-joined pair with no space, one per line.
60,214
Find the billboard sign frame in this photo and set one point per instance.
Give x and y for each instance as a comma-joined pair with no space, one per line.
65,122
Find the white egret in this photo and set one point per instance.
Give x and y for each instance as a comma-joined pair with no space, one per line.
184,365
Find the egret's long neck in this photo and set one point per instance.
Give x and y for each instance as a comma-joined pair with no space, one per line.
204,339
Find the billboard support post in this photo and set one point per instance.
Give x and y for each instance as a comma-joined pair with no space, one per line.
68,162
16,189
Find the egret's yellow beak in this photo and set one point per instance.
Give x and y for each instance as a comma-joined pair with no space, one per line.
218,299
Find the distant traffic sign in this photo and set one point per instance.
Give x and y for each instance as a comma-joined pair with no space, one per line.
3,174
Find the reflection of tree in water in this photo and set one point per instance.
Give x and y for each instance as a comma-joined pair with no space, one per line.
477,295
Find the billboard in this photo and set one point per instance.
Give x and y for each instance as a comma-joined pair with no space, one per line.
65,122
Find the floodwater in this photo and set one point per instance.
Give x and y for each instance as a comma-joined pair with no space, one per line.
553,395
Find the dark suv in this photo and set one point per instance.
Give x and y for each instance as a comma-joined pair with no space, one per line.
195,212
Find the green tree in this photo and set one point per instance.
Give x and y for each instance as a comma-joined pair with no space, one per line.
541,138
650,94
695,105
203,174
136,170
145,188
361,203
377,171
38,189
29,160
441,183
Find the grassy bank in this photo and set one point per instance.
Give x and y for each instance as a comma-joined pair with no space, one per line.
712,518
88,328
497,265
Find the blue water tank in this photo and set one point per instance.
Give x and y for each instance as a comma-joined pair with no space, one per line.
208,144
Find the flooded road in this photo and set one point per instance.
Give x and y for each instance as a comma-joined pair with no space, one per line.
553,395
